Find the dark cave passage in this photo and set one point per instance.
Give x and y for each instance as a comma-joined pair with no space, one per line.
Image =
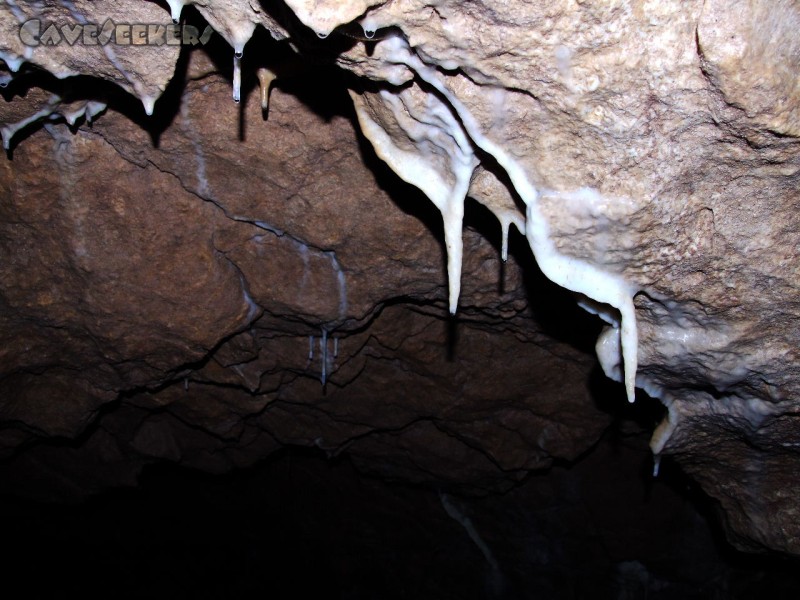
301,526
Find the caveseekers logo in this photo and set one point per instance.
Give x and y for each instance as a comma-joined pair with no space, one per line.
35,33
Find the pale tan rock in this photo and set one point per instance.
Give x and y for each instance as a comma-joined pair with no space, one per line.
142,69
751,52
323,17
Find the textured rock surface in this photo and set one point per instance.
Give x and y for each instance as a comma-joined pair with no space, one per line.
648,147
192,290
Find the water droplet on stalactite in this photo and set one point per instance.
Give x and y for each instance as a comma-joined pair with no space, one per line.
321,35
238,54
369,33
237,76
149,104
94,108
12,61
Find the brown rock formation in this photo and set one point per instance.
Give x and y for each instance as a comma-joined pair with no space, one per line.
206,286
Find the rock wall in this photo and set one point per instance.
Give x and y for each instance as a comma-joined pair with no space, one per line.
206,284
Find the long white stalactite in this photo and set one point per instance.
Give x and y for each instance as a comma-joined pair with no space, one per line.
571,273
437,128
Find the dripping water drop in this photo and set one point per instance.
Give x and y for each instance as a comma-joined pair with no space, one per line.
149,105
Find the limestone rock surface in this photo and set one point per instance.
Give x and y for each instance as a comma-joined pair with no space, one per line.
208,285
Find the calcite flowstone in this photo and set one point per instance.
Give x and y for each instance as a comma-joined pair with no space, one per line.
648,149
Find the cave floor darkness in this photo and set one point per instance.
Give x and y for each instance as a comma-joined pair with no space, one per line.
300,526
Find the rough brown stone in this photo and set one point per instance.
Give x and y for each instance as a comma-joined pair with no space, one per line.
657,145
282,235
